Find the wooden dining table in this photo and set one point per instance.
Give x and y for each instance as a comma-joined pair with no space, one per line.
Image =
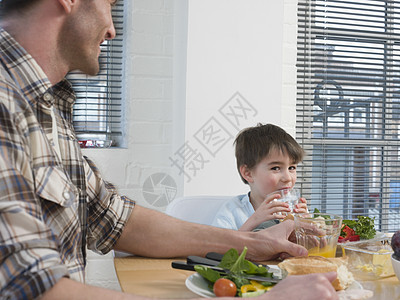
152,277
156,278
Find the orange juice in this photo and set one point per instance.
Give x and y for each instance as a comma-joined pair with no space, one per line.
327,251
318,233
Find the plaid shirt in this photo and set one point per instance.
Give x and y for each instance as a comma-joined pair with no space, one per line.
51,208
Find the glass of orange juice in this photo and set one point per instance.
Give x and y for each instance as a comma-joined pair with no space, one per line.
318,232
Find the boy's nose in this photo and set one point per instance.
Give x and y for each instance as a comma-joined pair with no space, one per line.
286,176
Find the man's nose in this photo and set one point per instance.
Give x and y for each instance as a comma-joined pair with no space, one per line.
111,33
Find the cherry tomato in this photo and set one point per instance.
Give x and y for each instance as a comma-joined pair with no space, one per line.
224,288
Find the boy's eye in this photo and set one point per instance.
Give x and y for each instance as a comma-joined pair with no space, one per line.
292,168
275,168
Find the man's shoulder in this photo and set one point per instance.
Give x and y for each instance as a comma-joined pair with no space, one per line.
7,80
10,93
5,77
14,106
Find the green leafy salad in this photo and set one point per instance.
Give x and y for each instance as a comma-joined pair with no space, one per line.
363,226
238,268
354,230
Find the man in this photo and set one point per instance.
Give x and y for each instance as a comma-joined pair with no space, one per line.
53,202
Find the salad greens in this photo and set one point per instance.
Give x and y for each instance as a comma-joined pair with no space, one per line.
363,226
238,267
316,212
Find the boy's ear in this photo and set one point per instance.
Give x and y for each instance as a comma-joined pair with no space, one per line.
67,4
246,173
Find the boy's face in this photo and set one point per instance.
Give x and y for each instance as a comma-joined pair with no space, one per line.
275,172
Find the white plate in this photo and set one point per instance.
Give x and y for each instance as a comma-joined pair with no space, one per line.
198,285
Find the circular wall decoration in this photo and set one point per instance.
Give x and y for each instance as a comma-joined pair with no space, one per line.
159,189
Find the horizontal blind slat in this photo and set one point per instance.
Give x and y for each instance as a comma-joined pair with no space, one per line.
348,107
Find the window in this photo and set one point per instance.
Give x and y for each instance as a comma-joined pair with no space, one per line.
98,108
348,107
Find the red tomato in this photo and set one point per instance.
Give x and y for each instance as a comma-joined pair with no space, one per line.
353,238
348,231
350,235
224,288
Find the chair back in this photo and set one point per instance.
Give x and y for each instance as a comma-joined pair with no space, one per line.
196,209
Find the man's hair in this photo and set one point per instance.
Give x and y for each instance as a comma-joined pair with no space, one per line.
253,144
9,6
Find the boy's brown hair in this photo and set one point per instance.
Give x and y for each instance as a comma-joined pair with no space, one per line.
255,143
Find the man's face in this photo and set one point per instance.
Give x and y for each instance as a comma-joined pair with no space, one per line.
89,24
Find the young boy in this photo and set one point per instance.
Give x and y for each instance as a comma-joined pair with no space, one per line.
266,158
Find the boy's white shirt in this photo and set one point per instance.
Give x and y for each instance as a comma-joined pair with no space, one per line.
234,213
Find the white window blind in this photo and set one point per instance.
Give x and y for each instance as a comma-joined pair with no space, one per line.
348,107
98,108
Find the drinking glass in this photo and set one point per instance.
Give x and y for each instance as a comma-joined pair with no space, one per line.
318,232
289,196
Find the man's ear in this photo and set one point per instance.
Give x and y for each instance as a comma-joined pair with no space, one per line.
246,173
67,5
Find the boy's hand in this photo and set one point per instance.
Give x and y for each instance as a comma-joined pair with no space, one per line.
301,207
272,208
268,210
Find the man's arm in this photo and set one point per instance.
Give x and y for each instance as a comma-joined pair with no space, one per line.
155,234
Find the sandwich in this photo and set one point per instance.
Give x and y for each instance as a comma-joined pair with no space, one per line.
319,264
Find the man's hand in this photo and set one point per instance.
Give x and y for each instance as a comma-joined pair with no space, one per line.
274,241
316,286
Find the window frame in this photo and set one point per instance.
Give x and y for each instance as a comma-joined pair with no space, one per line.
334,140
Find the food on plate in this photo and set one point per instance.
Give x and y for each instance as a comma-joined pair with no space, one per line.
318,264
348,234
396,244
238,270
224,287
355,230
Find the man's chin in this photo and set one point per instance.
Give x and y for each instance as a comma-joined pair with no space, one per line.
91,71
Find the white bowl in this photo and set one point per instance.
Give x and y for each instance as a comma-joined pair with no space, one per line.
396,266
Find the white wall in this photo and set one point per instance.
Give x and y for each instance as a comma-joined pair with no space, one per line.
234,80
172,91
